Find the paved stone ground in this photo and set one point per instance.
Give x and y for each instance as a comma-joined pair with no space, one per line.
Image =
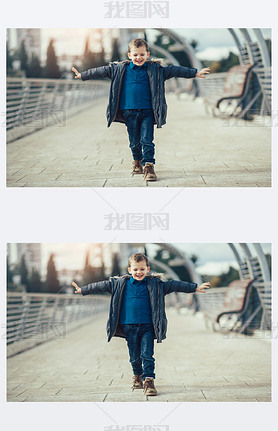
192,150
192,364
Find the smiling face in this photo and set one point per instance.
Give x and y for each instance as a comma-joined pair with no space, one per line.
138,270
139,55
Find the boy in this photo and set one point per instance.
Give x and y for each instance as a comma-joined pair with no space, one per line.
137,98
137,313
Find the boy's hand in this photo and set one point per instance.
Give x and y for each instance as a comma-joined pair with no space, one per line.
78,289
202,288
202,72
77,74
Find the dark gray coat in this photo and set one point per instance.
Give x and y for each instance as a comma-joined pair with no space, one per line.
157,75
157,290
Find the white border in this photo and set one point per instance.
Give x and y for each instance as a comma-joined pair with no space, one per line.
202,209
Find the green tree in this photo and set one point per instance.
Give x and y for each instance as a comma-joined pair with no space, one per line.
88,271
222,65
23,271
194,43
35,70
35,283
168,258
116,270
102,271
166,42
194,258
51,69
9,63
224,279
88,60
9,273
52,283
23,57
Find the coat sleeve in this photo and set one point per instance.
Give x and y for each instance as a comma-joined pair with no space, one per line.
99,287
178,72
96,72
178,286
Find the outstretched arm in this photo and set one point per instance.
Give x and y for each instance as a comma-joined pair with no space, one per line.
99,287
184,286
178,72
178,286
94,73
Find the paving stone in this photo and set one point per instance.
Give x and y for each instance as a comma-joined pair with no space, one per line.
193,364
211,151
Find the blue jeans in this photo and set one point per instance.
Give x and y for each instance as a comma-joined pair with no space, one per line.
140,342
140,125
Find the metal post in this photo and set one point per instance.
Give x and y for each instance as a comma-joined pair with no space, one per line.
263,47
238,44
238,259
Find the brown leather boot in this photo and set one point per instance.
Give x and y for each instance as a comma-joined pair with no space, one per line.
137,382
137,167
149,174
149,388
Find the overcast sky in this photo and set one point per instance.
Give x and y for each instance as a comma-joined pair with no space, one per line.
212,258
212,43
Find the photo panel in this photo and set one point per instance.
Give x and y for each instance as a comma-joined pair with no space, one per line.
66,300
195,111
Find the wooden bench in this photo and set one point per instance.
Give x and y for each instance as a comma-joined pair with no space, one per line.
224,309
234,314
224,97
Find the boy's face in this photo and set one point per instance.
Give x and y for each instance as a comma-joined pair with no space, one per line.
139,55
138,270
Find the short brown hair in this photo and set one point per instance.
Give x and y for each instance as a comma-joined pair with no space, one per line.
138,257
137,43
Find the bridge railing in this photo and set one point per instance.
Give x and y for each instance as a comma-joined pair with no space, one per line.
33,318
32,104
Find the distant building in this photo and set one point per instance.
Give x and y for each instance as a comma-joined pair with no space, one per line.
32,254
104,253
31,37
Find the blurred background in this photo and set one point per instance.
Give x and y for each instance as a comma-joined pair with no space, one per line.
40,82
48,268
226,332
40,295
50,53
